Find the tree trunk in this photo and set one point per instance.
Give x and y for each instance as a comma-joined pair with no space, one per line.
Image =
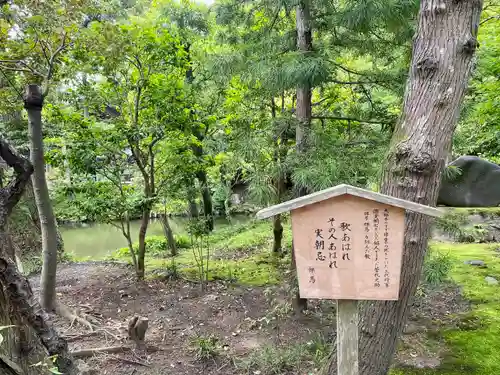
207,199
197,149
304,105
191,197
169,234
33,103
304,97
125,227
441,64
142,243
278,234
33,337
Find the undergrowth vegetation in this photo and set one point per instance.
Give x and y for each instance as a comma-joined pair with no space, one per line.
472,345
296,359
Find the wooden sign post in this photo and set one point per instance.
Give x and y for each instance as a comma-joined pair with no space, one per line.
348,245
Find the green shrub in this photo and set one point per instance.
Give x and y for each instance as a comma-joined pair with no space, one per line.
452,223
437,267
205,347
156,246
475,234
275,360
182,241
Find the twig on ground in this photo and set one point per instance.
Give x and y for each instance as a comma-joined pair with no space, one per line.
63,311
126,360
104,350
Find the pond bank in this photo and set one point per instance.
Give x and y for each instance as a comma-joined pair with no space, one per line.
97,241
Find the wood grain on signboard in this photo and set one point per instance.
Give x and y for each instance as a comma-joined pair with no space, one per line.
368,272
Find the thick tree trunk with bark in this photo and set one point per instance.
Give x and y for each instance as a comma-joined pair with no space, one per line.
33,103
304,105
33,338
441,64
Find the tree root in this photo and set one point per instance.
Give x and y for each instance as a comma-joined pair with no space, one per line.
65,312
129,361
103,350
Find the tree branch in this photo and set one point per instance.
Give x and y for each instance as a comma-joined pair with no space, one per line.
495,17
22,169
340,118
355,82
14,67
52,60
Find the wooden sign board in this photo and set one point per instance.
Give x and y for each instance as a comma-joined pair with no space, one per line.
348,242
348,247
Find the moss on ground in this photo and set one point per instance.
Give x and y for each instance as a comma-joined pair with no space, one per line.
252,263
474,347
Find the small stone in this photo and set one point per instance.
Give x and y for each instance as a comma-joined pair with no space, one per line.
211,297
430,363
413,328
491,280
478,263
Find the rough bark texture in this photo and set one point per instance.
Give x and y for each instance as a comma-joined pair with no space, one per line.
33,338
441,64
33,103
304,105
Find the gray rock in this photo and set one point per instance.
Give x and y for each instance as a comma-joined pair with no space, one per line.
491,280
427,362
412,328
478,263
477,185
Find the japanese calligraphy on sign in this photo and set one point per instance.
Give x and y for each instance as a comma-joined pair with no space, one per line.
348,248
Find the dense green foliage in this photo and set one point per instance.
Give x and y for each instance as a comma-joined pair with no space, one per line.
178,108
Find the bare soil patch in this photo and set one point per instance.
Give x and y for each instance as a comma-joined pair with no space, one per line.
239,317
178,311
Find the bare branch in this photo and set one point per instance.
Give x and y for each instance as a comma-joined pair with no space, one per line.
340,118
52,62
355,82
495,17
23,169
13,65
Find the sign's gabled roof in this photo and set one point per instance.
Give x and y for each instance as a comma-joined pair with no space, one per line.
351,190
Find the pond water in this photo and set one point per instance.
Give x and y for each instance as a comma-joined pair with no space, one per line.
100,240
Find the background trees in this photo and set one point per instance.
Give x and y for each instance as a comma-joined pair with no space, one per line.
163,109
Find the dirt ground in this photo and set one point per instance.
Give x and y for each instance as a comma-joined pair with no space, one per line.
238,316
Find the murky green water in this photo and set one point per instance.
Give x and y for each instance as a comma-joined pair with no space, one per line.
99,240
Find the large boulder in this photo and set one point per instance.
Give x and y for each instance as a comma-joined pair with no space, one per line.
476,185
